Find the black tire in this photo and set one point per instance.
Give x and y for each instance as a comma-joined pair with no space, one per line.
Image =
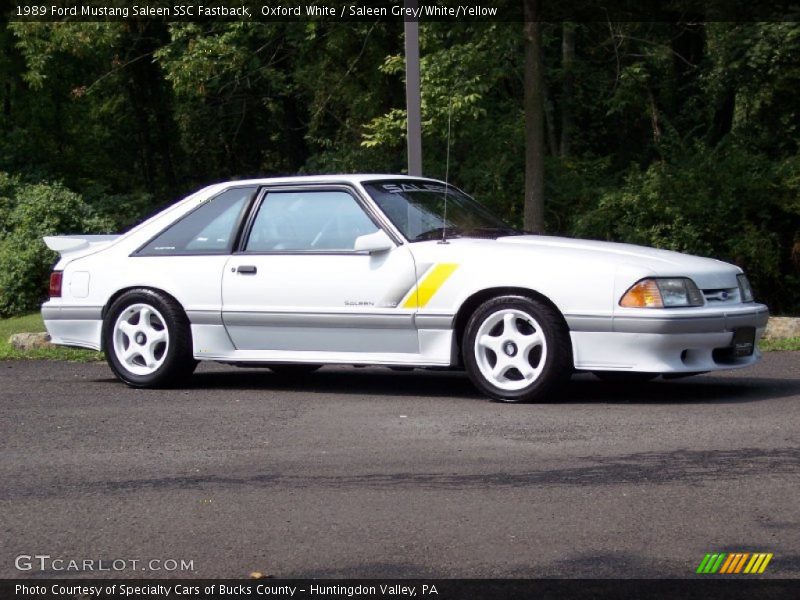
624,376
293,370
555,365
177,362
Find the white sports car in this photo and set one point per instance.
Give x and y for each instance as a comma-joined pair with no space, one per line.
298,272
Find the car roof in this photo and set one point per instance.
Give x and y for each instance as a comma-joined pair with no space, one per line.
354,178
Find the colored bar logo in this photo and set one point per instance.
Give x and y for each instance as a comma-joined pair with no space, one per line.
734,562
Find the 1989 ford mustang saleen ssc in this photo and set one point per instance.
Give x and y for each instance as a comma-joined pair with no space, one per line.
297,272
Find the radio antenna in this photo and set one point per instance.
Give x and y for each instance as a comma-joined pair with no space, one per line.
447,172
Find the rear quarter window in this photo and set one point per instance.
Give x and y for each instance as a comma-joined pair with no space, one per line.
208,229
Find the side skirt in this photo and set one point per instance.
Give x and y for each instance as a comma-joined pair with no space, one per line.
211,342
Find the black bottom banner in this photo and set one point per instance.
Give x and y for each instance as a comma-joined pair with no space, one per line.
399,589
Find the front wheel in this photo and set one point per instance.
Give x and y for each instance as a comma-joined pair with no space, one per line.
147,340
517,349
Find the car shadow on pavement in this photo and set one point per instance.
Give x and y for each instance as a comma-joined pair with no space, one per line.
703,389
582,388
343,380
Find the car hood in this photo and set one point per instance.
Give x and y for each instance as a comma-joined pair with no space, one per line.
706,272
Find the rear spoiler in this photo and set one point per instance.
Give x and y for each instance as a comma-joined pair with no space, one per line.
67,244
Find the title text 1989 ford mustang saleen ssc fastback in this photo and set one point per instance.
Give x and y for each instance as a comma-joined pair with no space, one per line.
297,272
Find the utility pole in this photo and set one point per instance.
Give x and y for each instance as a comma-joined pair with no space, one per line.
413,100
533,212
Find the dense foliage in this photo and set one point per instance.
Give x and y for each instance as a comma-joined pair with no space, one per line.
30,211
678,135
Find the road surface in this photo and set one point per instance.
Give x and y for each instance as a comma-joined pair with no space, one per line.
374,473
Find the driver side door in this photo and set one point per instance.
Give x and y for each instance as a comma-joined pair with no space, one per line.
297,284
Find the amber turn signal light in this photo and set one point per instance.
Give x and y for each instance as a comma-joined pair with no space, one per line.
644,294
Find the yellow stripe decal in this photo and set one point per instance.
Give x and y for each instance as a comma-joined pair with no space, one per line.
429,285
759,560
753,561
765,563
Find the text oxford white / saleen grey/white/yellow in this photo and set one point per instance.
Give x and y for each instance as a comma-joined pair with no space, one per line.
244,12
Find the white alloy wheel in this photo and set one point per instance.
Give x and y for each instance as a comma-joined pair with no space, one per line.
141,339
510,349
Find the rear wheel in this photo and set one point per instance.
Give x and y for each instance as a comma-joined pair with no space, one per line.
517,349
147,340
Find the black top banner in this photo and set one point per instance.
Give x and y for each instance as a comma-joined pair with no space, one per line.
399,10
713,588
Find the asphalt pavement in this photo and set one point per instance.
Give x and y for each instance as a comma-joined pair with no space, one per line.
373,473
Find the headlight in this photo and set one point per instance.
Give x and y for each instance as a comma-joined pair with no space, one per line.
662,293
745,291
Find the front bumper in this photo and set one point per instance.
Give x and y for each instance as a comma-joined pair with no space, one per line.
666,341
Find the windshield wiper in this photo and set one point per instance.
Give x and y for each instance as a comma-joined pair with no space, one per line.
435,234
491,232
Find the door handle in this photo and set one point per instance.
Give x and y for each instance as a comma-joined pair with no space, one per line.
247,269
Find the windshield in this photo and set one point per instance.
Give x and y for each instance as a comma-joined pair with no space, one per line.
417,209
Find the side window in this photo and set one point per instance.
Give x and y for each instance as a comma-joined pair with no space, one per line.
208,229
307,221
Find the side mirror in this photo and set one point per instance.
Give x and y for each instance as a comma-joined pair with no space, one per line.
373,242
